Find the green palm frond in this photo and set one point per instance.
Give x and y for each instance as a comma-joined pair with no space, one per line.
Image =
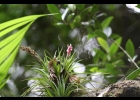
10,41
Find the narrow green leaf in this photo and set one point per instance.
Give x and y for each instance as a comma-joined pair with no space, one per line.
97,25
8,49
114,36
29,89
103,71
103,44
76,22
85,11
14,27
99,55
129,47
10,39
99,33
95,8
19,20
94,69
7,63
69,92
111,69
119,63
114,48
105,23
3,82
10,45
90,33
70,17
119,55
41,71
134,74
54,9
49,92
129,71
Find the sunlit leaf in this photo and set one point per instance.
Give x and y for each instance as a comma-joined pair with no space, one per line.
9,45
5,31
114,48
103,71
134,74
6,65
129,47
94,69
105,23
3,82
103,44
19,20
54,9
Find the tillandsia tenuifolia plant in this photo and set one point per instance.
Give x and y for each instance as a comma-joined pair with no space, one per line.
56,74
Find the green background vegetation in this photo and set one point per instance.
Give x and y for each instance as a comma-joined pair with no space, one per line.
54,31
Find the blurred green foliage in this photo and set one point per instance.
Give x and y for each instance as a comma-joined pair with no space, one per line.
53,32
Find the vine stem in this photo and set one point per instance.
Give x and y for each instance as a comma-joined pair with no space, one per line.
126,53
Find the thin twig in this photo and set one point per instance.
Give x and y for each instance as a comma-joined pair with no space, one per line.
126,53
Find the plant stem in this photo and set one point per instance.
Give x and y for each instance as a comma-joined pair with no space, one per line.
126,53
